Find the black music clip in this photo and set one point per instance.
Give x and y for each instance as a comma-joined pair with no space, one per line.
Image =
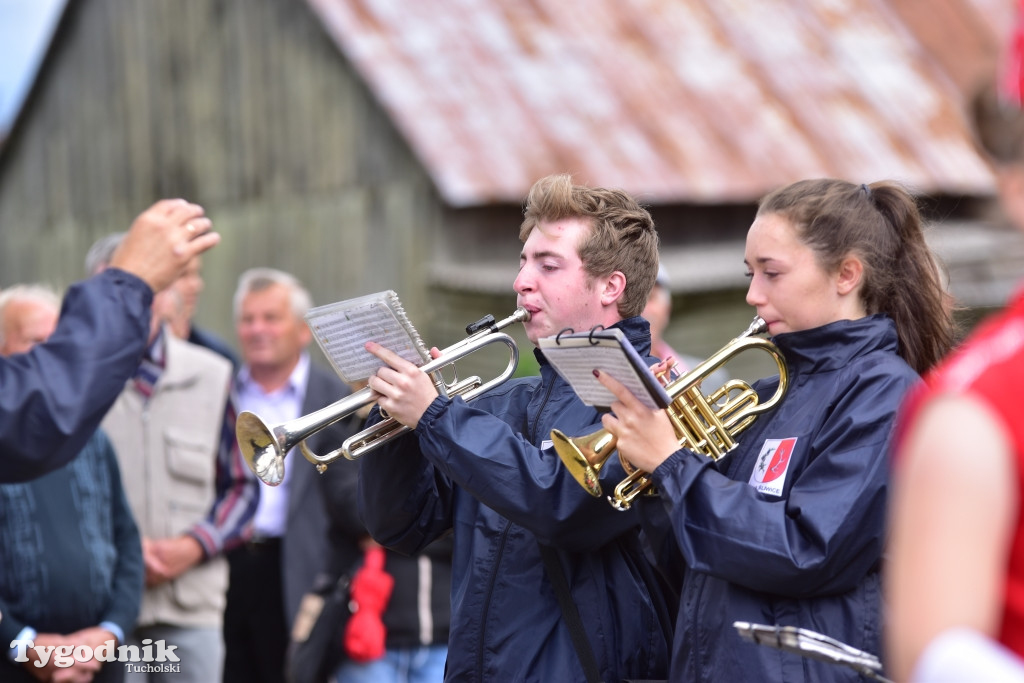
558,337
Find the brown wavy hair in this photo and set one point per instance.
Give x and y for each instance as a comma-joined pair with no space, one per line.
622,237
998,124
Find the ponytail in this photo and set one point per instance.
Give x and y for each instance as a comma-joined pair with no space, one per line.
915,297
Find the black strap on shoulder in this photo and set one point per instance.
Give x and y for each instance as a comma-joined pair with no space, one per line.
570,613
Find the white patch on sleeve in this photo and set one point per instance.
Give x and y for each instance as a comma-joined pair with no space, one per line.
769,475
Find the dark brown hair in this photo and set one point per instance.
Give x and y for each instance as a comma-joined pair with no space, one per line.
622,236
879,224
998,125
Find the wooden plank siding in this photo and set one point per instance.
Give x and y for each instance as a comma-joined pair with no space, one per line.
244,106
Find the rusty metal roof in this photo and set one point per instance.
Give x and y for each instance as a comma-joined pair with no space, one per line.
676,100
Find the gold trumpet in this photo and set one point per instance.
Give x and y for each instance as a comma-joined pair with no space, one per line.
264,447
705,424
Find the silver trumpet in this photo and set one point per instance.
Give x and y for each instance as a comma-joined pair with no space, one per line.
264,447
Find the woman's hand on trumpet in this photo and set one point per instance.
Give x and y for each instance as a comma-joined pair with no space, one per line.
405,391
646,437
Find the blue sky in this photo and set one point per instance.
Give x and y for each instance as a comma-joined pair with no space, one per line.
25,28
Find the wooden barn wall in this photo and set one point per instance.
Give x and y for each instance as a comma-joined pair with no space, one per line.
244,106
248,108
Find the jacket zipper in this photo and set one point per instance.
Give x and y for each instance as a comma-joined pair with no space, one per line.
501,551
543,404
487,602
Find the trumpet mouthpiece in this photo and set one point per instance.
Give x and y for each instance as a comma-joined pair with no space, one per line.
757,326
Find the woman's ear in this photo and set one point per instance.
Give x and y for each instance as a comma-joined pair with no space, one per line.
614,287
849,277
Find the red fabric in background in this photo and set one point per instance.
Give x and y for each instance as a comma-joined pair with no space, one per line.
370,591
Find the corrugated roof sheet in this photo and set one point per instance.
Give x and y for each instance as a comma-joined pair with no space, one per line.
676,100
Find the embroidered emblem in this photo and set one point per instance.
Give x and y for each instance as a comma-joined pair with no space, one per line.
769,475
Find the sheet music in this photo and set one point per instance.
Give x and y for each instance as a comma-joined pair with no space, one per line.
341,329
576,356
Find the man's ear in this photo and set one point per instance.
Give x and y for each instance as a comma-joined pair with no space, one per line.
306,334
849,276
614,286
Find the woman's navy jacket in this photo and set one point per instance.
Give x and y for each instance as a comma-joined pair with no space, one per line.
788,528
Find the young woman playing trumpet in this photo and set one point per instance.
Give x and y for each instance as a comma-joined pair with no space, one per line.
788,528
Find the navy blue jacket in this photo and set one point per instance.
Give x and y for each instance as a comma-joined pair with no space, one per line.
53,398
487,471
70,555
805,549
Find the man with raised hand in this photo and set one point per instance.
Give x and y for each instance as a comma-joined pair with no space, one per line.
53,398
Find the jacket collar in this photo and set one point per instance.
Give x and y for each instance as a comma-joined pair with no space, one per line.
833,346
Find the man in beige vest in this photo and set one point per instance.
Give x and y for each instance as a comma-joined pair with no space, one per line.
190,491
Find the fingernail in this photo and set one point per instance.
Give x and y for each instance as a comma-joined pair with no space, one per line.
597,373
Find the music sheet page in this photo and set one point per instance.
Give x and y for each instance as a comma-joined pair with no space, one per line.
575,357
341,329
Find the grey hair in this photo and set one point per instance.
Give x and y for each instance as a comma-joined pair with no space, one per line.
101,252
258,279
40,293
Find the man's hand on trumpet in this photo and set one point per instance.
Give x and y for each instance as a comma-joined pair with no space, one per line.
405,391
646,437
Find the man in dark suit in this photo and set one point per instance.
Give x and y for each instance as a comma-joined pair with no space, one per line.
277,382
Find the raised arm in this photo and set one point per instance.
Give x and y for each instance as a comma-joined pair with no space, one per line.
53,398
955,502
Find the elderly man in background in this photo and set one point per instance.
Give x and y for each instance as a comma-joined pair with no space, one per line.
278,382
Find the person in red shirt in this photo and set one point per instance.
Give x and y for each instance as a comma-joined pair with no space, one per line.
955,572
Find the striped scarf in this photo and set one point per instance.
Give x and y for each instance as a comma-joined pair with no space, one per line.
151,367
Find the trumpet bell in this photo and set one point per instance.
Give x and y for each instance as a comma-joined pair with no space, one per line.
260,448
584,456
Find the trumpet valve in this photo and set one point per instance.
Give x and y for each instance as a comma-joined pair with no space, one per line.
665,375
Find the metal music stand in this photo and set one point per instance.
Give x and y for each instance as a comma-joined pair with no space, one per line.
812,645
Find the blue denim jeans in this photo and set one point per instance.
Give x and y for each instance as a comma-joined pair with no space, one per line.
200,649
411,665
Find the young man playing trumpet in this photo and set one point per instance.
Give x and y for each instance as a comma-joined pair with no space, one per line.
487,472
